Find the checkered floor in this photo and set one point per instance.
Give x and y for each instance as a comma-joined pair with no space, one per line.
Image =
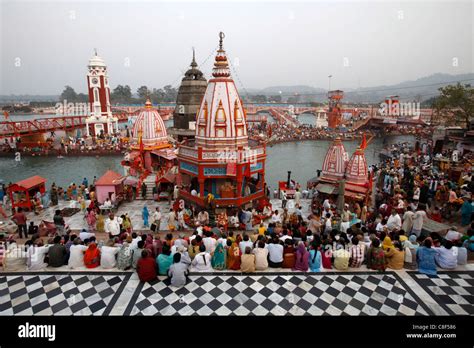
279,294
120,293
60,294
454,291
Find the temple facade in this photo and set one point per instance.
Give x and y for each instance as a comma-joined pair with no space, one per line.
221,163
151,157
190,93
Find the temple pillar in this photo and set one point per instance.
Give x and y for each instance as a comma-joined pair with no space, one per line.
201,187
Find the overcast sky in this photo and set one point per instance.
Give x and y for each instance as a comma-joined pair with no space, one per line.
46,45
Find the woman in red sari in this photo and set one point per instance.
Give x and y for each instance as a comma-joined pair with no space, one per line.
233,255
92,256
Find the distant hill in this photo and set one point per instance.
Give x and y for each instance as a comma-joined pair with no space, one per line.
419,90
416,90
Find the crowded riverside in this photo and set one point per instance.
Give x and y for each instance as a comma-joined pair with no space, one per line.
207,217
418,218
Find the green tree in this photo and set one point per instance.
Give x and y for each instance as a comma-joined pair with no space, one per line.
82,97
121,94
157,95
68,94
170,93
455,104
143,92
274,98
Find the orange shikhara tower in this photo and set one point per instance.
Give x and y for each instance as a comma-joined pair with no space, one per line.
335,161
221,118
221,161
354,171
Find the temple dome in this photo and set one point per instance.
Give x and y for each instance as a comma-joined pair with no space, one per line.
221,117
335,162
96,61
150,126
356,170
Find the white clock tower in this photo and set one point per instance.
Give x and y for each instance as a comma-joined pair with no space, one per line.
100,121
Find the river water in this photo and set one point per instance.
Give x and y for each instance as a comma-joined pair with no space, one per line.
303,158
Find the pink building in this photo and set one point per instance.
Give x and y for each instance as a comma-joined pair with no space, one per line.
109,185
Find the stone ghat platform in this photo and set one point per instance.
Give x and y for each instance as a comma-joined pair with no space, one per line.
271,293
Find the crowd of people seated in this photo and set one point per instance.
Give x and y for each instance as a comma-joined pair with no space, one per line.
273,247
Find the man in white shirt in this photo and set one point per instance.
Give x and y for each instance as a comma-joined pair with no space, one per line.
112,225
203,218
135,239
276,217
156,218
107,203
209,242
245,243
394,221
418,219
326,204
85,235
275,251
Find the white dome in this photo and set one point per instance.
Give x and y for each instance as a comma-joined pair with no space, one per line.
151,127
96,61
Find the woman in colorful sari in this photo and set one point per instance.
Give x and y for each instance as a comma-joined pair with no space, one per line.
92,256
124,256
302,258
91,219
387,243
425,256
233,255
218,261
149,245
314,257
145,216
466,212
376,257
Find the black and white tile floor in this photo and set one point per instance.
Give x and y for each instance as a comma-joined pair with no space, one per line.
280,293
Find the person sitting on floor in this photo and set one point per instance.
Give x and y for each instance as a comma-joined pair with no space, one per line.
376,257
233,255
447,255
275,253
302,258
248,261
164,260
425,256
395,256
314,257
261,256
341,257
178,271
357,255
76,254
92,256
289,257
146,267
57,253
202,261
108,255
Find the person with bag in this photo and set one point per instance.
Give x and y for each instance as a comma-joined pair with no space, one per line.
156,220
